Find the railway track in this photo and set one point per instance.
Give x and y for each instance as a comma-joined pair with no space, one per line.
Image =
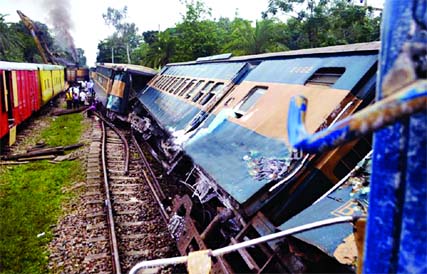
125,222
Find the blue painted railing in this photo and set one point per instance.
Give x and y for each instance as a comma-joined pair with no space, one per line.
396,237
408,100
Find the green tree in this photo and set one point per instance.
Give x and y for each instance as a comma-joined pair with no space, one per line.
10,44
158,49
325,22
254,40
196,35
126,34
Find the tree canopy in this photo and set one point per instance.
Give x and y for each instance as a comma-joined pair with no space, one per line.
309,23
125,37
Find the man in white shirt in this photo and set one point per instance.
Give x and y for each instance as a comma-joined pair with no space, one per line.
82,96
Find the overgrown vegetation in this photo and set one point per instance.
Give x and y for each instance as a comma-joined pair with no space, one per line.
30,201
309,23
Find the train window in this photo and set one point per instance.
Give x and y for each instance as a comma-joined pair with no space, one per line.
160,82
204,90
118,77
187,87
155,81
171,82
212,93
181,86
165,82
156,84
325,77
194,89
249,100
175,85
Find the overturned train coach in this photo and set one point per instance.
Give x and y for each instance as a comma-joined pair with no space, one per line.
220,123
118,84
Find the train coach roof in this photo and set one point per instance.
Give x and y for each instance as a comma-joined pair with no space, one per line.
359,47
49,67
17,66
27,66
132,68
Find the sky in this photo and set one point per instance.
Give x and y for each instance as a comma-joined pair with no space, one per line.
88,26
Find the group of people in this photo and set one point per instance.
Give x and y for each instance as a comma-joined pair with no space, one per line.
79,94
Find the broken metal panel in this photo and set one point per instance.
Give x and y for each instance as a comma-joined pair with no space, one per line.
223,152
350,199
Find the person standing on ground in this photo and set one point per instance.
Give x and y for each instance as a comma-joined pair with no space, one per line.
76,98
82,96
69,97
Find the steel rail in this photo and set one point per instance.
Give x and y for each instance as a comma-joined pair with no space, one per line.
110,220
122,137
154,186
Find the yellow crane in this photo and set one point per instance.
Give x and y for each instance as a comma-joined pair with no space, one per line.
40,43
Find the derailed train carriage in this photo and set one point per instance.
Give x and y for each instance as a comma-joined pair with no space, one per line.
221,122
118,84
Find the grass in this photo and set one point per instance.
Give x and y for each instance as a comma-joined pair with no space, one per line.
31,196
65,130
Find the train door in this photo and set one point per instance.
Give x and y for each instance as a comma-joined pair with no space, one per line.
24,95
34,91
116,101
8,94
13,89
4,105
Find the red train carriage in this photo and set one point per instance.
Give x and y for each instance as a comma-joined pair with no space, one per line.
24,88
19,94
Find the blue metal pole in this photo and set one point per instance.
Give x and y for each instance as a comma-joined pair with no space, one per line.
397,221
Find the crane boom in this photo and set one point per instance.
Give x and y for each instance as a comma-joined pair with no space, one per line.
40,43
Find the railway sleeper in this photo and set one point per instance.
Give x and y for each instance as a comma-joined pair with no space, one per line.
127,212
96,214
124,192
97,239
123,178
101,225
125,185
97,256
